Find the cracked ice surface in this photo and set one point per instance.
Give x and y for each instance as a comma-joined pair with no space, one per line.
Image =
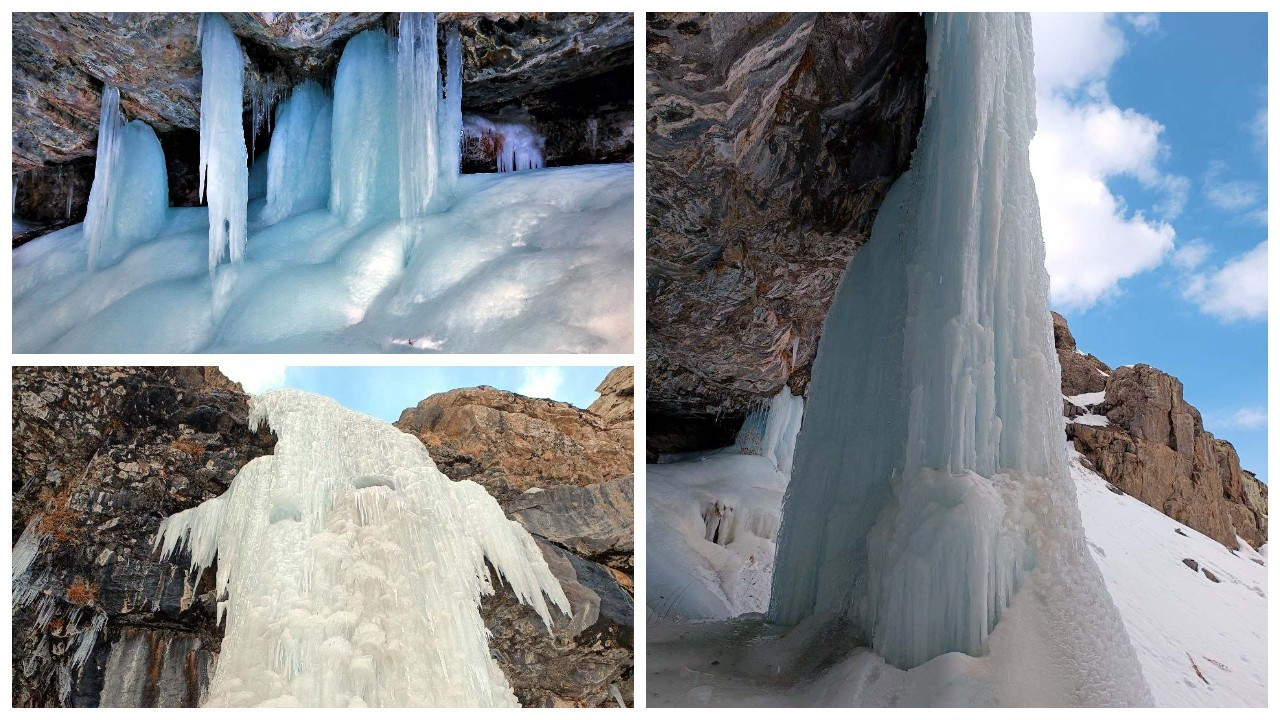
352,569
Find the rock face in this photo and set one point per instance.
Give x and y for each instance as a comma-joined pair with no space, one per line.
565,475
510,443
772,139
1153,446
101,456
571,71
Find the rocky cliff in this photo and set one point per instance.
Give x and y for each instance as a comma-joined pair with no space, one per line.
565,474
1134,427
102,455
772,139
568,72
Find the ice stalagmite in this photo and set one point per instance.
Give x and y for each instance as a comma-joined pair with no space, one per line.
298,161
418,100
130,194
365,181
352,569
224,164
930,479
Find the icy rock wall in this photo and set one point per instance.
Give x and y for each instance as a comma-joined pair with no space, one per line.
930,478
353,569
129,198
299,156
224,160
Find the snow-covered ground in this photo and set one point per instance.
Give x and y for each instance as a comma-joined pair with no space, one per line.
534,261
1200,643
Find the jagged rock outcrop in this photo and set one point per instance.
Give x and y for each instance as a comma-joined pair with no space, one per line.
510,443
772,139
569,71
565,475
100,456
1153,445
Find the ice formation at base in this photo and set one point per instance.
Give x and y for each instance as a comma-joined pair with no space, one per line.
930,491
129,198
224,160
713,519
352,569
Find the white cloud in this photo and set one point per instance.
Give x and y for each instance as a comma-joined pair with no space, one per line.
1248,418
1229,195
1191,255
1236,291
541,382
1093,240
1144,23
1259,128
256,377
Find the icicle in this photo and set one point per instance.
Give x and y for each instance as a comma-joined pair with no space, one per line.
110,125
931,474
514,144
224,162
353,568
299,157
771,431
450,122
418,98
365,180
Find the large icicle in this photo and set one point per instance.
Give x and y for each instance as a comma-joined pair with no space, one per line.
298,160
353,569
224,164
129,197
365,181
771,432
930,476
450,109
418,100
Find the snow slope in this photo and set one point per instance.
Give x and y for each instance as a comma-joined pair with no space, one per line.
1178,621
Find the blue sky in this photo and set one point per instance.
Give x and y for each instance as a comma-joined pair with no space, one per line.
385,391
1150,164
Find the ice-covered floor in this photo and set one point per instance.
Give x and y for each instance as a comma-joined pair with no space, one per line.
1200,643
534,261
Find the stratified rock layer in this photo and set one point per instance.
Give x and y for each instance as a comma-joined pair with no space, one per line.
1155,448
772,139
100,456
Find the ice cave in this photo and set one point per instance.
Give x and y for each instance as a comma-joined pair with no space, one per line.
352,229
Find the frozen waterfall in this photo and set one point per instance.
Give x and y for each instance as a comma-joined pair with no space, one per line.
298,158
129,197
365,183
224,164
352,569
930,480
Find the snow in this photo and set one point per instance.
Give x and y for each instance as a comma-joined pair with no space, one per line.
1086,400
1178,620
1172,616
224,166
930,491
1091,419
535,262
352,569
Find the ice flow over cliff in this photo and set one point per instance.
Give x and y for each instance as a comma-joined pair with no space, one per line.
352,569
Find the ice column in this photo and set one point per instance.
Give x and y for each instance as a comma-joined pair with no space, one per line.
129,198
934,417
224,165
450,121
771,432
418,100
352,569
365,181
298,160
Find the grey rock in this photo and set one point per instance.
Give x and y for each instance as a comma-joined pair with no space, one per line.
594,522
